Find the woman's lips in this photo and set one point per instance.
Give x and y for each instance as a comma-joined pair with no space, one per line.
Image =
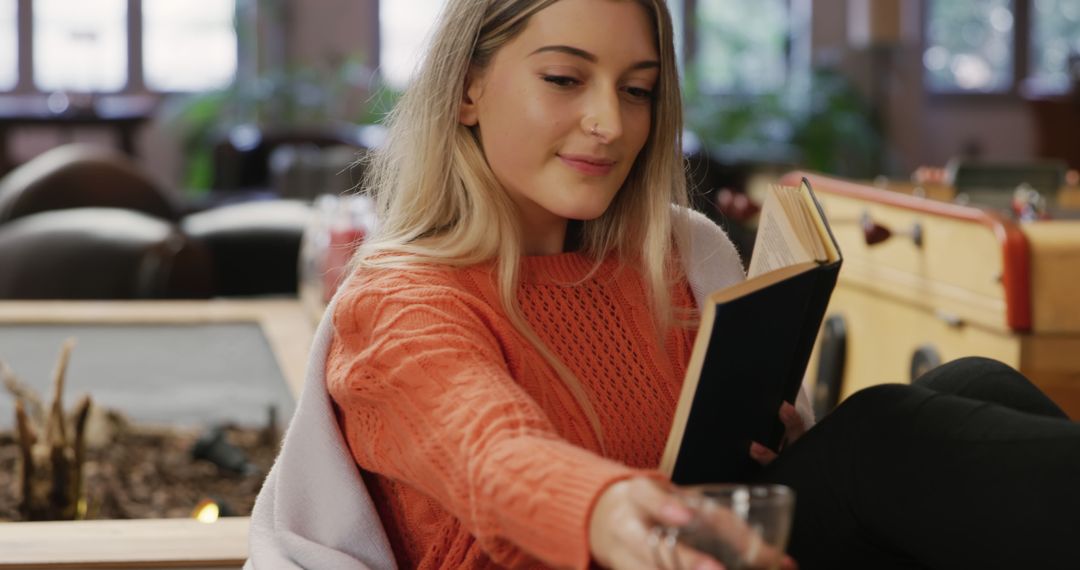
590,166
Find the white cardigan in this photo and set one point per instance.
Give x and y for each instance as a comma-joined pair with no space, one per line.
313,510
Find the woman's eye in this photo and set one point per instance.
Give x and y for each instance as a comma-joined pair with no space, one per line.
639,93
560,80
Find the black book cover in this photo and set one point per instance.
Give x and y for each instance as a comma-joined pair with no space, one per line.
753,347
757,355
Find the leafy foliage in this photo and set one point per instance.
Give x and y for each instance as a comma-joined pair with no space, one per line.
828,129
306,96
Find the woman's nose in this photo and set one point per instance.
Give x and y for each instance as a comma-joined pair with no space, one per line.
603,118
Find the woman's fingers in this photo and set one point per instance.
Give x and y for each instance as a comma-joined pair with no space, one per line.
761,454
741,540
690,559
658,503
639,523
623,517
794,426
667,553
653,537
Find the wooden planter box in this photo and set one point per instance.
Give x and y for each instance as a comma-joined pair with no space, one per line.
151,543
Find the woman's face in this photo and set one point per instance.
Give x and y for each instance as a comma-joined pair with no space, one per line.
564,109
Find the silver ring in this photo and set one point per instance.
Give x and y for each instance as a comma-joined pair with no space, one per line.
667,538
671,538
654,545
594,131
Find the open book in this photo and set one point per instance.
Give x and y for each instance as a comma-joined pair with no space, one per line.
753,344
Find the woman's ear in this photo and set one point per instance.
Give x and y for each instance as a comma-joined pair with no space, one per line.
469,114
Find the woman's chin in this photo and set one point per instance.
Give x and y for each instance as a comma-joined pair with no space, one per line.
585,212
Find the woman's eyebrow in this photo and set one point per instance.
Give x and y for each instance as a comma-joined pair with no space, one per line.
578,52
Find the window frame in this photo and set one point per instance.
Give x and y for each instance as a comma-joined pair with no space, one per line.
1021,62
691,44
136,82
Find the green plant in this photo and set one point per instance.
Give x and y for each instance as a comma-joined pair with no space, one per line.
345,91
829,128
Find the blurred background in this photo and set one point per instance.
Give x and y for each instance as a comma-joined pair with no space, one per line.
208,149
851,87
238,123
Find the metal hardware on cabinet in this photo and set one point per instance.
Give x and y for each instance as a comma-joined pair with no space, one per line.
875,233
948,318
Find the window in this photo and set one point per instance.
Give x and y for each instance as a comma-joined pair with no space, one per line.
403,29
80,46
977,46
97,46
9,45
1055,38
969,45
731,56
189,45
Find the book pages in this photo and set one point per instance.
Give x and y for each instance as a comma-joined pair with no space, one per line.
777,244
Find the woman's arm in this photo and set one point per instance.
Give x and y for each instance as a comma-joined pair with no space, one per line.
427,399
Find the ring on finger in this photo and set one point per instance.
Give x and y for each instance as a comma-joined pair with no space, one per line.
664,539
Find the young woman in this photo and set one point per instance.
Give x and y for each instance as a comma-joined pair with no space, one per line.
507,355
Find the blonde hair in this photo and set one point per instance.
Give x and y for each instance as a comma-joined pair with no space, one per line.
439,202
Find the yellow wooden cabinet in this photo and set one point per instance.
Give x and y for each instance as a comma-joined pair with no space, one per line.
951,281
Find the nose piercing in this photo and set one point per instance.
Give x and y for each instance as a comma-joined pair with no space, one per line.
593,130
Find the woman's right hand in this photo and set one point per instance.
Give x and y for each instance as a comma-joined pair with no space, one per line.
622,532
625,530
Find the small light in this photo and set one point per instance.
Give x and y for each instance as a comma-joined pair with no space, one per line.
206,511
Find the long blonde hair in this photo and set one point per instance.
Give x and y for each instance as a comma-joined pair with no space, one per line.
438,201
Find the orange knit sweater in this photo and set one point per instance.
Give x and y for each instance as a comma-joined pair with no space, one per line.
475,454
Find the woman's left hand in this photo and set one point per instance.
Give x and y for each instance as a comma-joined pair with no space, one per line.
794,428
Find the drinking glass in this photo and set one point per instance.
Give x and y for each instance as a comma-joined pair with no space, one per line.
745,527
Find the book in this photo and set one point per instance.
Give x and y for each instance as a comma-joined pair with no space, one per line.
753,344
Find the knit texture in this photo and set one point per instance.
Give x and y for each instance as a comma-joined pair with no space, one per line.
475,453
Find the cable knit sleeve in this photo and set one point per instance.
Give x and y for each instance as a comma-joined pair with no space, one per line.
427,399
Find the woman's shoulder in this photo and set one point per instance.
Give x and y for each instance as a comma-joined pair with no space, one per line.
423,278
371,288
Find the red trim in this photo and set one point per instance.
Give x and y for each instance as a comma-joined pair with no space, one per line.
1016,269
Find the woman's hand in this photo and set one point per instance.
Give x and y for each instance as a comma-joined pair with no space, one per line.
794,428
626,531
621,534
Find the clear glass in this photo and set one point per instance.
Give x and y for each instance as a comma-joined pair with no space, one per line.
403,30
969,46
80,46
1055,37
742,526
732,57
188,45
9,45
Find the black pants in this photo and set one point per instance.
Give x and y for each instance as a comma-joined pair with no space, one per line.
969,467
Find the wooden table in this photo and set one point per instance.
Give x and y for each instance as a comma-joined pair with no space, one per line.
979,284
161,543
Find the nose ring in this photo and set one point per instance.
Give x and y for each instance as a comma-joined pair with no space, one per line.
593,131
